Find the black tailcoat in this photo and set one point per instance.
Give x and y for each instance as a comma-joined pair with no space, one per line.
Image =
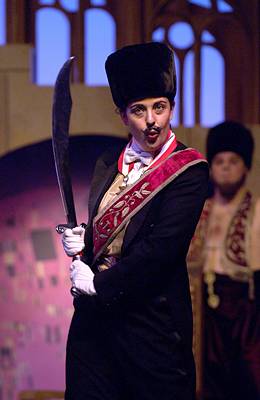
141,316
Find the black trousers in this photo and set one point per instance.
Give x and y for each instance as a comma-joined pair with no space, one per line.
232,344
132,356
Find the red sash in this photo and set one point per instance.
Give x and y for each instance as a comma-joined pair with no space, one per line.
116,214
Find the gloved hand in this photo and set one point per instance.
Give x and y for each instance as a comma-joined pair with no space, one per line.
73,240
82,278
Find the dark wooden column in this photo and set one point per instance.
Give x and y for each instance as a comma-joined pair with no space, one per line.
77,44
16,21
251,78
133,20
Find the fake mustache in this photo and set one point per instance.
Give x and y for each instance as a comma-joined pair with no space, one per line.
152,128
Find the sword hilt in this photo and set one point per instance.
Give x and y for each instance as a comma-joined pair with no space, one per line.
62,227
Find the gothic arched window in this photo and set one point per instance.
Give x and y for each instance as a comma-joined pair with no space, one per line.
2,23
100,39
70,5
221,5
188,90
52,44
202,70
181,37
176,113
212,91
68,28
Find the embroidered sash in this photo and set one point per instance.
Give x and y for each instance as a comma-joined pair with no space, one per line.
116,214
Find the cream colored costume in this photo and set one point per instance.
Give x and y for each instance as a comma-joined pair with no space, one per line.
227,241
226,245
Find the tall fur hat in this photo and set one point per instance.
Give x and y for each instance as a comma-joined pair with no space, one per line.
230,136
139,71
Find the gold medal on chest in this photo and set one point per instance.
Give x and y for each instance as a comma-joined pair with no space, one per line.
213,299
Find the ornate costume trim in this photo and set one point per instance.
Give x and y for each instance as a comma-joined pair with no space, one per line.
116,214
235,242
236,255
196,250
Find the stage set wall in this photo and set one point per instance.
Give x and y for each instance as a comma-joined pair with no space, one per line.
35,302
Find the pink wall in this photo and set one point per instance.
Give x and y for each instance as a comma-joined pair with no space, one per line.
35,301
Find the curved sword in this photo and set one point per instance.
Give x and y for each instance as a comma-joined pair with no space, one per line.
61,110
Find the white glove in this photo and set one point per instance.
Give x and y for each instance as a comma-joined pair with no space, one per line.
82,278
73,240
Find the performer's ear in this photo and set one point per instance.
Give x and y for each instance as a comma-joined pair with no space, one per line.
172,104
124,117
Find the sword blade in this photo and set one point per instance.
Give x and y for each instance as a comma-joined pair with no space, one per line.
62,105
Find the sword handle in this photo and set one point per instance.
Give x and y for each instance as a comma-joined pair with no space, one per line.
62,227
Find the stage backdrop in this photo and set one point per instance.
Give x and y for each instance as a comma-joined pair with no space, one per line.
35,301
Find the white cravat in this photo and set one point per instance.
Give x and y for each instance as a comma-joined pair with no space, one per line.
133,154
142,159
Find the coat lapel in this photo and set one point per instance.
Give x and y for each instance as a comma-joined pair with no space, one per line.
100,185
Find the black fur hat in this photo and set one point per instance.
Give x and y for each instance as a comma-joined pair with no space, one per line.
139,71
230,136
